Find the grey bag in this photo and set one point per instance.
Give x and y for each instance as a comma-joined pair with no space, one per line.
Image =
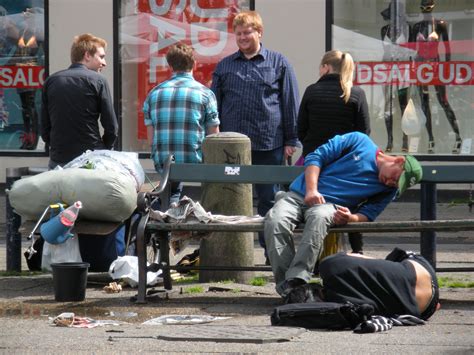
105,195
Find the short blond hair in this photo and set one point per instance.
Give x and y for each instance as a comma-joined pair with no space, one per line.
248,18
85,43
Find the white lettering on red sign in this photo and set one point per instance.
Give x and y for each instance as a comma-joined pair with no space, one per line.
415,73
22,77
208,37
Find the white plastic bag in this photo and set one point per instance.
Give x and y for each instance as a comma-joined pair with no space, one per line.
413,119
126,268
126,163
183,319
67,252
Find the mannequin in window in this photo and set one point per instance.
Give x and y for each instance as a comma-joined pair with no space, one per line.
27,54
8,36
427,34
391,39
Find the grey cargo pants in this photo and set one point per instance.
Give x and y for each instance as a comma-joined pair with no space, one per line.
289,211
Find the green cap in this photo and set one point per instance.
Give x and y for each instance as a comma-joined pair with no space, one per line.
411,175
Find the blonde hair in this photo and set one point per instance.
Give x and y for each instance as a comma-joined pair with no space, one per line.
248,18
342,64
85,43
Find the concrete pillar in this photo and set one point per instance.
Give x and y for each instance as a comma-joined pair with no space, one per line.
227,249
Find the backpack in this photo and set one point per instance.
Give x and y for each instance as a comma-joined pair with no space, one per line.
321,315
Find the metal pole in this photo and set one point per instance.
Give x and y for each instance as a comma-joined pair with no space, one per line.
428,212
13,222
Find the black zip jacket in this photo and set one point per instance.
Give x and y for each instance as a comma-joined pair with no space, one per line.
323,113
73,101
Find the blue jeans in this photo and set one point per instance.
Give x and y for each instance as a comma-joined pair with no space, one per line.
266,192
176,189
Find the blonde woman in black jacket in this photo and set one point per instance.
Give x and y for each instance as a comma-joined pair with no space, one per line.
333,106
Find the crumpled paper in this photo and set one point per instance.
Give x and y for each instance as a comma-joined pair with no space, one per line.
183,319
187,211
113,287
69,319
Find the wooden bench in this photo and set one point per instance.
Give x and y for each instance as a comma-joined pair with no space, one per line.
206,173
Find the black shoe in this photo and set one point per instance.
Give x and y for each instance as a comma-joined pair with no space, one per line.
307,293
189,260
315,292
296,295
267,261
292,292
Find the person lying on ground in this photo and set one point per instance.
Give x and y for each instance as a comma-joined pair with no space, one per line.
402,283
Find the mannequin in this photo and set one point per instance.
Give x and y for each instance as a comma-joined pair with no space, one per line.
390,39
27,54
8,35
434,30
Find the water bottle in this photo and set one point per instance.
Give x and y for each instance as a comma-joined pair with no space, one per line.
69,215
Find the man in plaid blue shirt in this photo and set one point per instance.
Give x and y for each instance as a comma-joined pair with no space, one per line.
179,113
257,94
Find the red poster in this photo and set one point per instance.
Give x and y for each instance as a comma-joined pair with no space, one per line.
21,77
415,73
205,25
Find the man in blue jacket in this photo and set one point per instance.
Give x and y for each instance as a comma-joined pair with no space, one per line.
348,179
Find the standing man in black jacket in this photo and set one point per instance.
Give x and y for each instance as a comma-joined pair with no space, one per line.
74,100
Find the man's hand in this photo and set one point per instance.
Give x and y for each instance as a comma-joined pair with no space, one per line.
342,216
313,197
289,151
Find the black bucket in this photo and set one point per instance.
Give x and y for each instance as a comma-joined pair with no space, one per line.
70,281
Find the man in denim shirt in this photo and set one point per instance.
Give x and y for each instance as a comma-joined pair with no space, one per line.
257,95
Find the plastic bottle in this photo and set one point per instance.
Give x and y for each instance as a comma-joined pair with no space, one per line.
69,215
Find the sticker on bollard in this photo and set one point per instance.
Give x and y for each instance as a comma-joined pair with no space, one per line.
69,280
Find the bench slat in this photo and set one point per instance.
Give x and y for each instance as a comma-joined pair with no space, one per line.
280,174
232,173
365,227
448,174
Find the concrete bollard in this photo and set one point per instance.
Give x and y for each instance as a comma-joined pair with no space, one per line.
227,249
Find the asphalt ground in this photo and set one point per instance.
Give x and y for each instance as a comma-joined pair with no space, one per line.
27,303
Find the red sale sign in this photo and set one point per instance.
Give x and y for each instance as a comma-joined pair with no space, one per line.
21,77
415,73
205,25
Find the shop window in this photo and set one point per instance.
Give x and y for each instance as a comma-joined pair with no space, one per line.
22,74
146,30
420,51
